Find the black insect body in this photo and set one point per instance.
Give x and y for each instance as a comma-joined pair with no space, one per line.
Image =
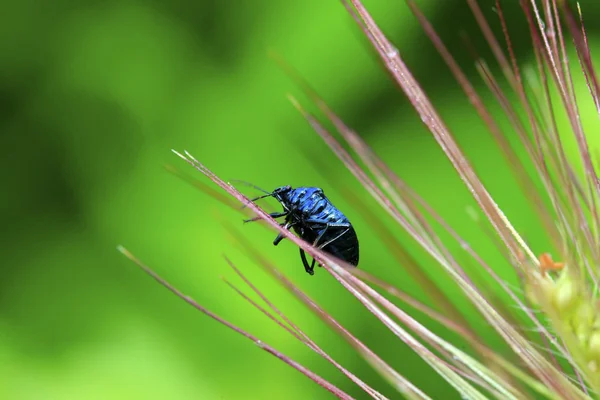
316,220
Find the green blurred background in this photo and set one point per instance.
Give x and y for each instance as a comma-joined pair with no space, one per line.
96,93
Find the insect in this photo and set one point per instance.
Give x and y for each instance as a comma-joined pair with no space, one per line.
316,220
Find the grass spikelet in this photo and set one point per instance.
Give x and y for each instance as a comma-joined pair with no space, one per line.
558,298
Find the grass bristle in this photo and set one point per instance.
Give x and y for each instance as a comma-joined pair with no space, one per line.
311,375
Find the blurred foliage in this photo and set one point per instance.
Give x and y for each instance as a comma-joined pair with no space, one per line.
95,94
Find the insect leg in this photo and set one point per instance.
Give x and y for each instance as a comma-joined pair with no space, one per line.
312,265
327,223
311,269
334,239
279,214
327,226
280,236
273,215
278,239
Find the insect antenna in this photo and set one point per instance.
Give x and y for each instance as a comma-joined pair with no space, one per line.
254,199
253,186
258,198
249,184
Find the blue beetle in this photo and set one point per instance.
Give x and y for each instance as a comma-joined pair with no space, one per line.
316,220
